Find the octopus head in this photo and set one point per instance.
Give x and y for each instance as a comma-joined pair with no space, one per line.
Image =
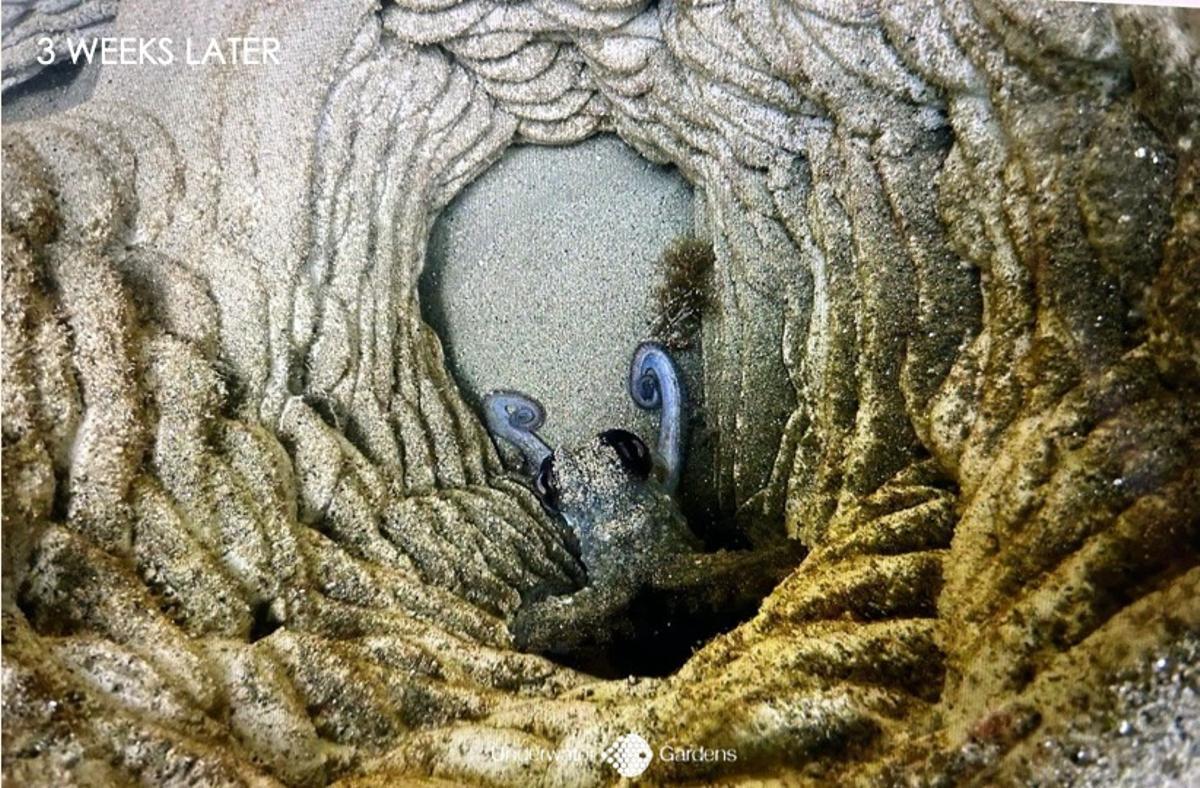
614,470
595,481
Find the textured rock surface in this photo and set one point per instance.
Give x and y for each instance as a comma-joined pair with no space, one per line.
252,534
32,28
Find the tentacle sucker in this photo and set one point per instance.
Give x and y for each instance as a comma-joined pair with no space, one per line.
515,417
654,384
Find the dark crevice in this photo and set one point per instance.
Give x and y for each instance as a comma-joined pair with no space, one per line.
60,503
264,622
235,391
326,409
683,606
55,88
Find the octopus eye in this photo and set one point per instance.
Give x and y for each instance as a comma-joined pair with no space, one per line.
631,451
545,485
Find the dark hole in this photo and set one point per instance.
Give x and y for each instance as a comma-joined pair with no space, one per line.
60,504
264,622
680,609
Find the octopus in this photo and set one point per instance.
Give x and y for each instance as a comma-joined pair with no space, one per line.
614,494
617,498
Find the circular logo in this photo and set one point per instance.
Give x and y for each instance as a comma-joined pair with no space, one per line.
629,755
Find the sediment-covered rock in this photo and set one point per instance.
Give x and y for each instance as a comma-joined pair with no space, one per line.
253,535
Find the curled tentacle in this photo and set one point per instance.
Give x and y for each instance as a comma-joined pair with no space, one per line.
515,418
654,384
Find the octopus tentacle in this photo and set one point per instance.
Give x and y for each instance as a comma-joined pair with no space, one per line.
654,384
515,417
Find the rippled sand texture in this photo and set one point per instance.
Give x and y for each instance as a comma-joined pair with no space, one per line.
252,533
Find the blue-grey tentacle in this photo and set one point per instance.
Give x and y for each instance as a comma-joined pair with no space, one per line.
515,418
654,384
